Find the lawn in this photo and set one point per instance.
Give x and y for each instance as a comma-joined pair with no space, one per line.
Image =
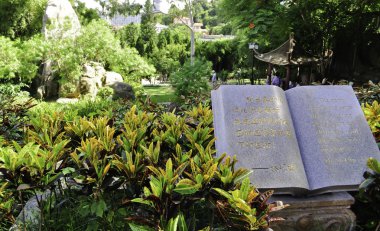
160,94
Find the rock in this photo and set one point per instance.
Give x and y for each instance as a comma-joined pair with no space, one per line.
112,78
60,20
67,100
123,91
91,80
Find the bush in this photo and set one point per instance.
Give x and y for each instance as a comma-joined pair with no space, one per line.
13,116
192,80
19,60
97,42
157,171
105,93
367,205
372,114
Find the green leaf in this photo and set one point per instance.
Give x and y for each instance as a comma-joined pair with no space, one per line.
244,189
68,170
135,227
186,189
182,223
242,176
374,165
366,183
100,208
169,169
223,193
142,201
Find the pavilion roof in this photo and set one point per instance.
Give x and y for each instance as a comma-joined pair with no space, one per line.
286,55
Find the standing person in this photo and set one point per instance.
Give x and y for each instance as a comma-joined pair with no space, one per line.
213,78
276,80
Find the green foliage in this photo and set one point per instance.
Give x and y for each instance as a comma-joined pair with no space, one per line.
141,171
84,14
105,93
9,64
13,116
368,199
19,60
368,94
266,16
21,18
97,42
221,53
148,33
192,80
372,114
128,35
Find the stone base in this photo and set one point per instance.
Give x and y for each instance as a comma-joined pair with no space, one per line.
329,212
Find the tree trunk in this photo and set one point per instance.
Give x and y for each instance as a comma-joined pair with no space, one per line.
192,36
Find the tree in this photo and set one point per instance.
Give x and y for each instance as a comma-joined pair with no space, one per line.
85,14
325,25
260,21
21,18
129,34
112,7
148,31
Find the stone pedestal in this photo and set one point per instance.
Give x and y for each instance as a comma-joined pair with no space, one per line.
329,212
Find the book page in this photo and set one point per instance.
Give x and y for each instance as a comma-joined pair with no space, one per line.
254,123
333,135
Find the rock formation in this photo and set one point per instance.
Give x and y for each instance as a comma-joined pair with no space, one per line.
59,22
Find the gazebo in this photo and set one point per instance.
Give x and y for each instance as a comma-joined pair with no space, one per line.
285,55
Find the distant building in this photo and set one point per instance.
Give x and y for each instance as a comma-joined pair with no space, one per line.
182,20
161,6
121,20
159,27
210,38
197,27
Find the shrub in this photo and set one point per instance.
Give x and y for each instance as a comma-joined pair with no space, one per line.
157,171
192,80
105,93
19,60
367,205
13,113
372,114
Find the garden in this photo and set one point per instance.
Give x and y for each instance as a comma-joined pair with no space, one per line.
85,145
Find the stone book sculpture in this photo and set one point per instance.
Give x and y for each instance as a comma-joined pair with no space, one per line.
306,140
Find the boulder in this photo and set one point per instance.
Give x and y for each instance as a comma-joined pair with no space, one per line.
67,100
60,20
123,91
91,80
112,78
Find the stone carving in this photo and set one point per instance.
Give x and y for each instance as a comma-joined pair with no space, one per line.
323,213
307,140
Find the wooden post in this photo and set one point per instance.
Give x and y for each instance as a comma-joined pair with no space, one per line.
287,79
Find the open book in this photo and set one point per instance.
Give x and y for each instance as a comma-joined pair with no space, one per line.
306,140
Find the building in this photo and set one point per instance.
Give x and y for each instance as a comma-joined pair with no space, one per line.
159,27
121,20
197,27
